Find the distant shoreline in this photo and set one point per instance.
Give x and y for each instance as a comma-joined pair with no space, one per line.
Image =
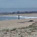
18,12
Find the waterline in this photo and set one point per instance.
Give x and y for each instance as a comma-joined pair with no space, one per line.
14,17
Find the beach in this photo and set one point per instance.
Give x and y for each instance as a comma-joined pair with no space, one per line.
26,14
14,23
18,27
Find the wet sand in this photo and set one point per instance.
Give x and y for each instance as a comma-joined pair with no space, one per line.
29,14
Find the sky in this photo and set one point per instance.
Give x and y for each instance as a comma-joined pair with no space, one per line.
18,3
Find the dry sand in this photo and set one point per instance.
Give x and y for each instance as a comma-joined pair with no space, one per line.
15,23
11,24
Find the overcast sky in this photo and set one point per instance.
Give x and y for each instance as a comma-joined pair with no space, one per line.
18,3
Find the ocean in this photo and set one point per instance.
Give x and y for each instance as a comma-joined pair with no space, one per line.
17,9
8,18
14,10
14,17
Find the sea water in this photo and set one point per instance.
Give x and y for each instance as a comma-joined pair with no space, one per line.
7,18
14,17
10,17
17,9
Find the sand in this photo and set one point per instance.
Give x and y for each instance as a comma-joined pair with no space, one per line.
11,24
29,14
18,24
15,23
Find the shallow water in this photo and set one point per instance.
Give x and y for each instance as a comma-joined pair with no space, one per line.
14,17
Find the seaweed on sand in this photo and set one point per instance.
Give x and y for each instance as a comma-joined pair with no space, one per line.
13,29
5,30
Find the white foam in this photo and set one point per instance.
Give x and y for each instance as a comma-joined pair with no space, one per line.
25,17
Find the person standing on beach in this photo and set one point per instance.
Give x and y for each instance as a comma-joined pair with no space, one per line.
18,16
